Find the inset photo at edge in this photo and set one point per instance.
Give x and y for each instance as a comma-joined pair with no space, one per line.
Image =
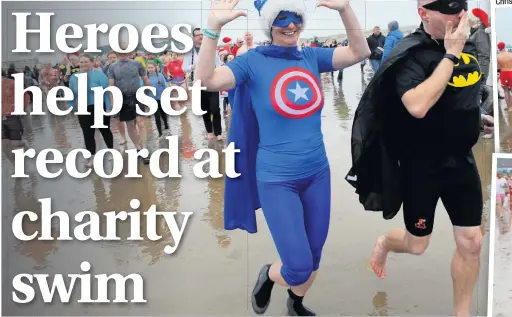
502,42
500,261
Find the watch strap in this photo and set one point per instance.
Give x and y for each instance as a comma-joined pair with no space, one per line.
452,57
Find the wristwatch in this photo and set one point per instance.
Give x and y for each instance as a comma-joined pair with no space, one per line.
452,57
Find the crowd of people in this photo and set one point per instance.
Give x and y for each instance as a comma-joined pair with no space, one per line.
403,125
403,128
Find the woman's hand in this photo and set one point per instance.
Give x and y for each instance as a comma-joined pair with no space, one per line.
338,5
221,13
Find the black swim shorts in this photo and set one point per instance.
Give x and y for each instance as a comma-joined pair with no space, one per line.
456,182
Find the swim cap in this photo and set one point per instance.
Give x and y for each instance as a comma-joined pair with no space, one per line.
501,46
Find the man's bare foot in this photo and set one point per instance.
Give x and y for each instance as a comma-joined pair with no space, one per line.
210,136
123,142
379,255
219,138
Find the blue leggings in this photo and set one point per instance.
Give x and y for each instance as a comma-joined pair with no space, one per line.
298,213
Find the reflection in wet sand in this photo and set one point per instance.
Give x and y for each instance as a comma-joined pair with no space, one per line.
214,215
505,129
25,201
213,270
483,157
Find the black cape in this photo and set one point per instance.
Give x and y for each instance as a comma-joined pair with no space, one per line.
375,171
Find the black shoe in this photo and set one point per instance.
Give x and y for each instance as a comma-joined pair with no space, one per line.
260,282
145,160
292,312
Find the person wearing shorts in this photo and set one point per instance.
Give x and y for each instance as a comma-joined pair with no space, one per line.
449,181
506,79
504,60
506,83
429,157
175,76
501,191
125,74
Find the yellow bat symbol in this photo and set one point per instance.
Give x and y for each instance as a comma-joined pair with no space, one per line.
461,81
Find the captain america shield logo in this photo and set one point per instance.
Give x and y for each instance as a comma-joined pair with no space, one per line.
295,93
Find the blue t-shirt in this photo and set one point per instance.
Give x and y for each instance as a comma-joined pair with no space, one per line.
153,79
94,79
287,99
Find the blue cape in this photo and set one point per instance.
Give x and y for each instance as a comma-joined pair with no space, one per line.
241,194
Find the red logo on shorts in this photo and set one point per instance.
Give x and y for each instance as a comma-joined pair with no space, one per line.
421,224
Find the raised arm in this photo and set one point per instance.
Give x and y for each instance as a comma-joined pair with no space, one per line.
216,78
419,100
345,56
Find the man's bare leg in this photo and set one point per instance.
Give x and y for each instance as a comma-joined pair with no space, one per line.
509,208
121,128
499,209
141,127
465,266
398,241
133,133
507,92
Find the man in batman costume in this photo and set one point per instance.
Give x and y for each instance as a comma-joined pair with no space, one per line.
412,137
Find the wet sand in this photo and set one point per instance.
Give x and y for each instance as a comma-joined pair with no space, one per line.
505,129
502,268
213,271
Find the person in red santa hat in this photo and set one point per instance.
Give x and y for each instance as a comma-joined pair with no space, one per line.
479,22
504,60
227,44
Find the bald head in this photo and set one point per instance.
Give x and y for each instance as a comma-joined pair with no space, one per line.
421,3
248,37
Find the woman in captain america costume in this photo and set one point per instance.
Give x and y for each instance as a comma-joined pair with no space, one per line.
276,125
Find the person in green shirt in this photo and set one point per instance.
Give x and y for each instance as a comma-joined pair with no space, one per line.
155,60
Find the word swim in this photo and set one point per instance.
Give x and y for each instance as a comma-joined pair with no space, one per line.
99,95
54,158
23,284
